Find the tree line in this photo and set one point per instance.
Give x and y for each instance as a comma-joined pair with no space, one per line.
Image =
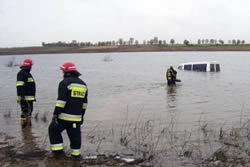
132,41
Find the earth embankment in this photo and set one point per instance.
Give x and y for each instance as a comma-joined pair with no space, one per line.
126,48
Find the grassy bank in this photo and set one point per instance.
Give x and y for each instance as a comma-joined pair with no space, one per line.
126,48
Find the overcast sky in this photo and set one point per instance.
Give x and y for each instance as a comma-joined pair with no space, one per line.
31,22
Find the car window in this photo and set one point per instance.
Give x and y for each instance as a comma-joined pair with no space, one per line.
199,67
187,67
217,67
212,67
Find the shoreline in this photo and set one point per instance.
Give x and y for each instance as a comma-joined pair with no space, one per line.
231,149
127,48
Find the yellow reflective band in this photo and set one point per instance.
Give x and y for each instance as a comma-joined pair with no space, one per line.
57,148
70,118
74,125
76,153
29,98
76,85
78,92
60,105
23,119
30,80
19,83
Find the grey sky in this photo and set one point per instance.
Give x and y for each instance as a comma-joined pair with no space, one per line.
30,22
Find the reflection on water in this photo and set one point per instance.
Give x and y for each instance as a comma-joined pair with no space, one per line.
28,141
171,96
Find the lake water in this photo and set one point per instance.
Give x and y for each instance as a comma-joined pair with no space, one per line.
133,86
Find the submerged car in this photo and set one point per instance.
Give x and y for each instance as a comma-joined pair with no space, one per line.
205,66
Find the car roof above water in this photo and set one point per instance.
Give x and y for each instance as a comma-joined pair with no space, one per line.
206,66
201,62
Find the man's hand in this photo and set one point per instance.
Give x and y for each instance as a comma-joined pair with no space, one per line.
82,120
21,99
55,120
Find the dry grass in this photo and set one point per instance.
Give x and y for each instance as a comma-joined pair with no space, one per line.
160,143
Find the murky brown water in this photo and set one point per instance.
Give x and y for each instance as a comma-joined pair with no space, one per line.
132,87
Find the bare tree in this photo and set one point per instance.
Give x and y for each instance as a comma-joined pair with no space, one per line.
186,42
155,41
151,42
164,42
160,42
74,42
120,41
131,41
172,41
238,42
199,41
212,41
221,42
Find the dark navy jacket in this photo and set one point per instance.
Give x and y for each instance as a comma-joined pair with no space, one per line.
72,99
26,87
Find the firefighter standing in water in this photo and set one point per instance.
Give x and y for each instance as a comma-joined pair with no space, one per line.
26,91
69,111
171,76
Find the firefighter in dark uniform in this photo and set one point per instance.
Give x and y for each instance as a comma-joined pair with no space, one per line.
171,76
69,111
26,91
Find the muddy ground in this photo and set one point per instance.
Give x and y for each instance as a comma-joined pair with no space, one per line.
233,150
12,153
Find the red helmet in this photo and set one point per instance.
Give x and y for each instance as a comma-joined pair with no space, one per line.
68,67
27,63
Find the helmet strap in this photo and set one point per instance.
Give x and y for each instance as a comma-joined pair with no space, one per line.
66,74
